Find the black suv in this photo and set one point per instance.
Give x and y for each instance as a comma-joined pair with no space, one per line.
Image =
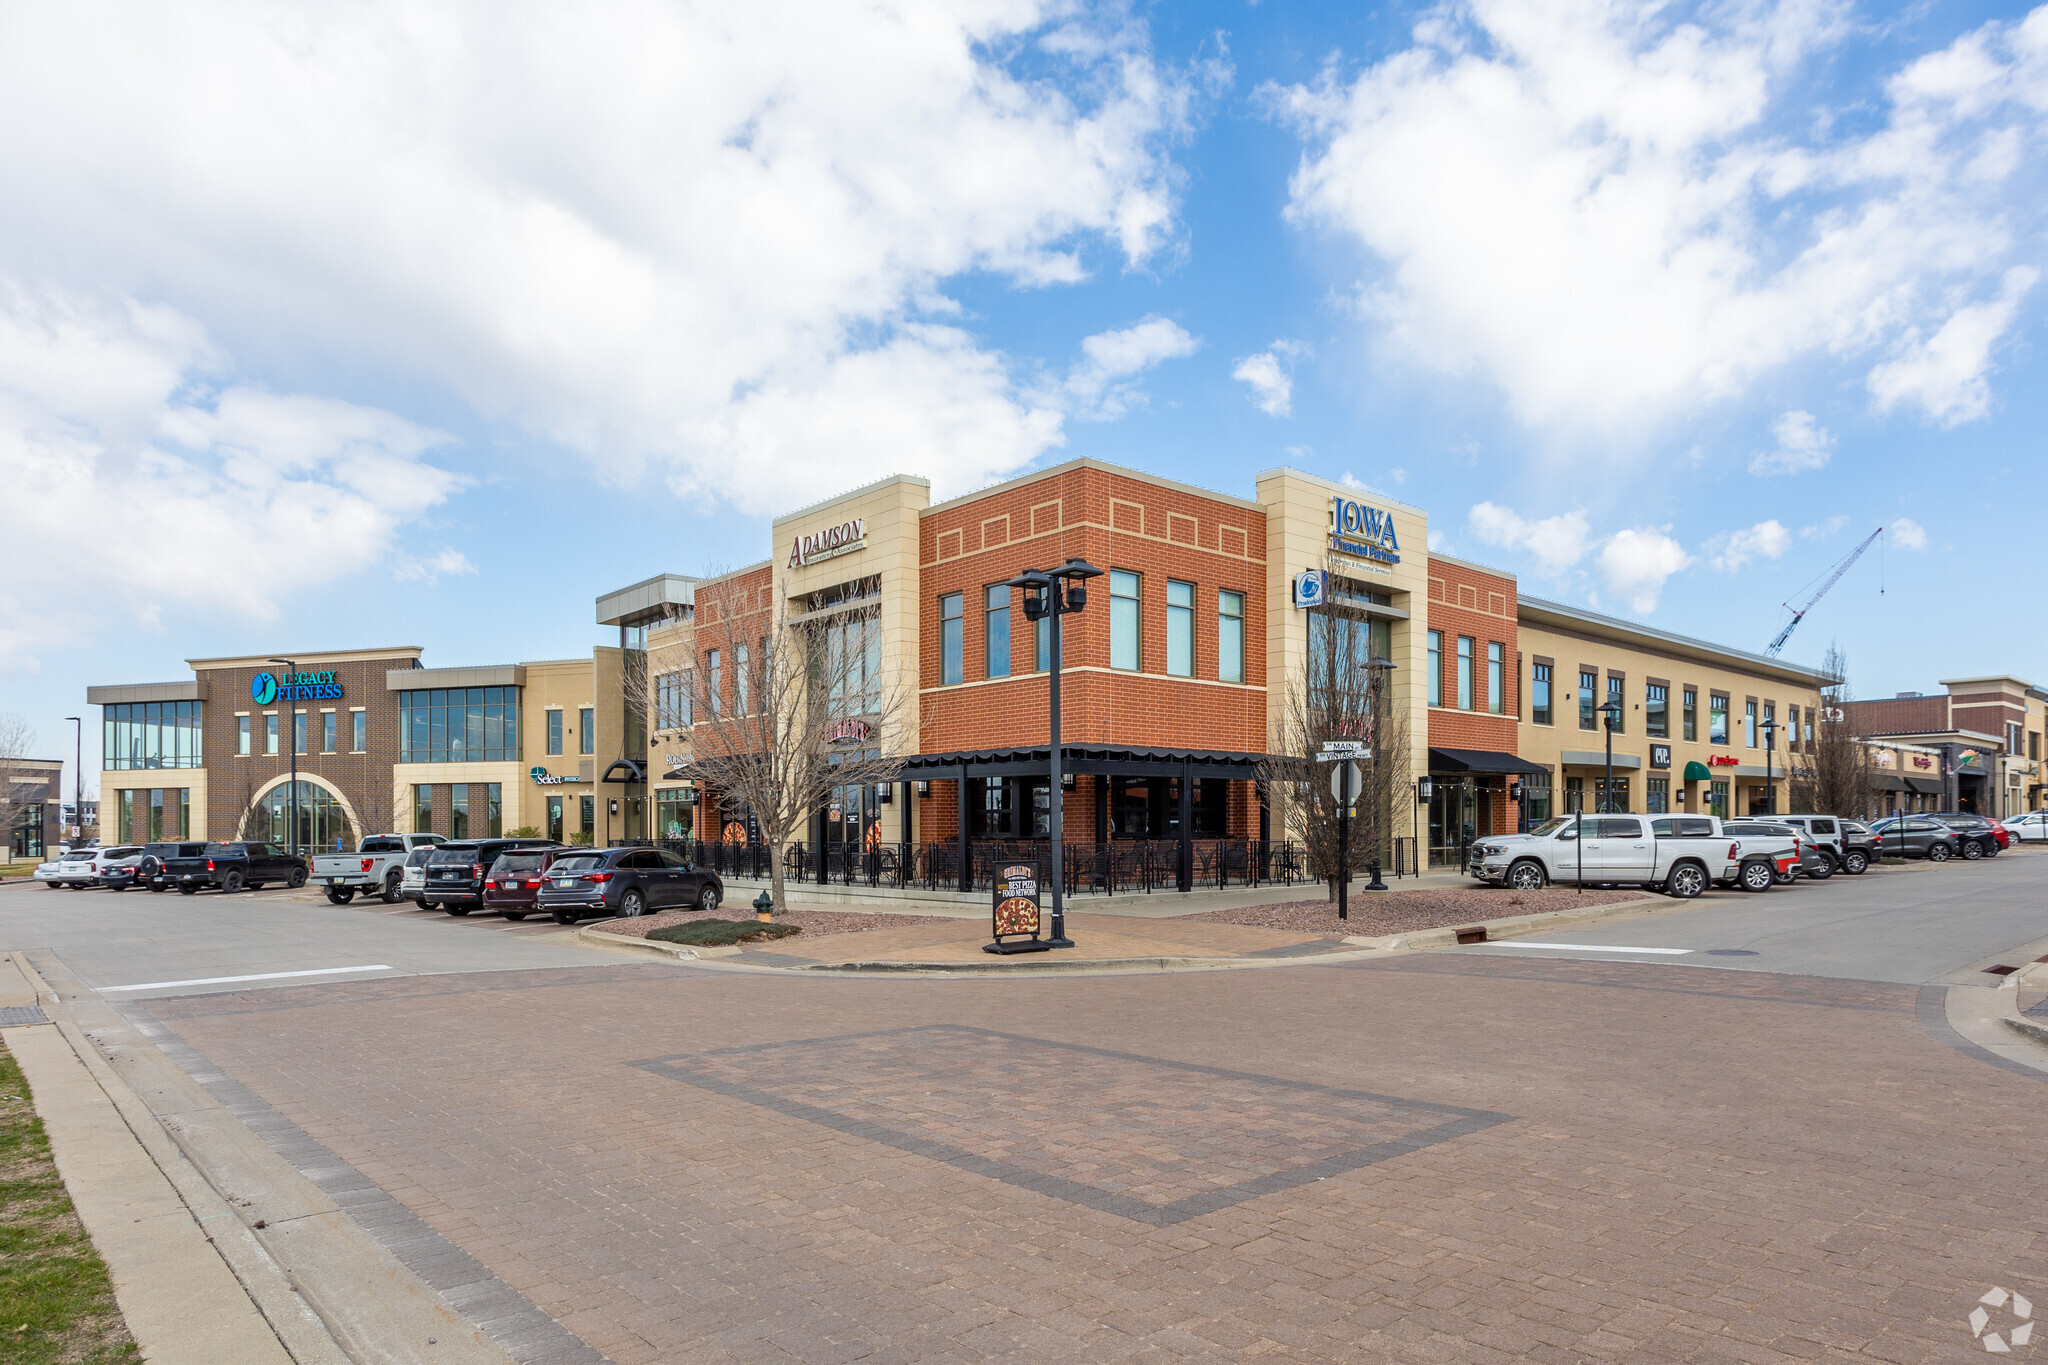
455,872
1974,836
626,882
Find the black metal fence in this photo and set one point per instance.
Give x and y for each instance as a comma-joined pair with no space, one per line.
1125,866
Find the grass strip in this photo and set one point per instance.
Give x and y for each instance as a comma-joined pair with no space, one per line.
720,933
56,1302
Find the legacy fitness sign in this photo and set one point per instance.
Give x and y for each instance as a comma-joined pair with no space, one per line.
267,687
844,538
1363,532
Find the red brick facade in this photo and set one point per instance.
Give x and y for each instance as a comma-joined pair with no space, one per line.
1899,716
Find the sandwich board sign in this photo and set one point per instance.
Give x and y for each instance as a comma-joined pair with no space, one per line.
1015,912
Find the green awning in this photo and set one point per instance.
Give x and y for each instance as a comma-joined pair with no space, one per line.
1696,771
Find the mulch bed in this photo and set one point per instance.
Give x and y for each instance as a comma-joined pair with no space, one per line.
814,923
1397,912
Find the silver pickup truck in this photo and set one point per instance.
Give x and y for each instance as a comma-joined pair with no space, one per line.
1679,854
376,867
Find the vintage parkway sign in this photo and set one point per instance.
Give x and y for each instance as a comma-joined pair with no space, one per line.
844,538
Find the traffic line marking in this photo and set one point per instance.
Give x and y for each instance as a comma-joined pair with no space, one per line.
259,976
1582,947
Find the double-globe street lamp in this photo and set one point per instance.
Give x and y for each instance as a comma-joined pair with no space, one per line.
1610,715
292,744
1379,669
1052,594
1770,729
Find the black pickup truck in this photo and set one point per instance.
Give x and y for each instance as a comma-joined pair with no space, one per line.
240,866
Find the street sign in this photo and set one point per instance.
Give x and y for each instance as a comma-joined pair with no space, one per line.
1338,790
1332,747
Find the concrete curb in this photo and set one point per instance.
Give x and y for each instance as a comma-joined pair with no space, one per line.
684,952
2035,1029
296,1252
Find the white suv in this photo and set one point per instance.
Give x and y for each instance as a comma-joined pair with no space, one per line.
1679,854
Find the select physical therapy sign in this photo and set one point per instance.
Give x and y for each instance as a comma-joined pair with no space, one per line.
266,688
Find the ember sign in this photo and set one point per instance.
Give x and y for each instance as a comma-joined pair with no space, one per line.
844,538
848,732
1016,910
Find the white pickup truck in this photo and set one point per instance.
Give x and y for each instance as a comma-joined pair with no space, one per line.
1678,854
376,867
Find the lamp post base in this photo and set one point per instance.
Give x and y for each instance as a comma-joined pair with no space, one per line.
1375,884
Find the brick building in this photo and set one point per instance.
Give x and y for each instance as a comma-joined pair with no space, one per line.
1981,742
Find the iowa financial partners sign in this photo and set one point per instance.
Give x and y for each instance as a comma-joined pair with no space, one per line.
1363,531
844,538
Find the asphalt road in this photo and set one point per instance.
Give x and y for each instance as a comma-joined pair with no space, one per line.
125,939
1916,924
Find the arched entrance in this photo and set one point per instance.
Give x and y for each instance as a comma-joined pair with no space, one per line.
327,823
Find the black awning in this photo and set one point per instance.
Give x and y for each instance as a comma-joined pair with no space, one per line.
1926,786
1888,782
633,772
1117,761
1482,761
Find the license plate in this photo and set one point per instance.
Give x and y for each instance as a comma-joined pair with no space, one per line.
565,881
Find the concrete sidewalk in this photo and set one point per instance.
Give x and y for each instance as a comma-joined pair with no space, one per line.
220,1252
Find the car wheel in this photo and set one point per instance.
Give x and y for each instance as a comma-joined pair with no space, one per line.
231,883
53,886
1823,872
254,886
1972,851
1526,875
122,887
188,890
430,905
707,899
1757,877
391,896
156,887
1787,877
514,915
459,911
1939,853
1687,881
341,895
297,879
632,905
1855,862
565,916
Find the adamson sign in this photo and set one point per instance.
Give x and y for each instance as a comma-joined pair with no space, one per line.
838,540
266,688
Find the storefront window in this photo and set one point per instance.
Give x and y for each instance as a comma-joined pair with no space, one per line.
555,816
1539,695
1657,710
1496,676
1717,719
422,810
156,814
853,660
1180,628
1436,668
157,734
1613,798
494,820
184,812
1230,637
1464,673
587,813
1536,798
996,631
1717,799
323,821
458,725
124,815
674,816
458,808
951,664
1657,795
1589,688
1575,796
1123,620
1692,716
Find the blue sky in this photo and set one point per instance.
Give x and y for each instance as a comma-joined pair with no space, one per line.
423,324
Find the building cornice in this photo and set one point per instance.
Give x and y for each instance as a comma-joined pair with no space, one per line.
1557,616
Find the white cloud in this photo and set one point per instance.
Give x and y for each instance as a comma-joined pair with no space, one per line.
1947,375
1803,444
1732,550
1557,542
137,480
1635,564
1909,534
714,240
1618,212
1824,529
450,562
1100,386
1272,387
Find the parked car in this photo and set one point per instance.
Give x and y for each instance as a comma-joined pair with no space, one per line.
455,872
377,867
2031,828
1807,860
415,879
80,867
51,873
1916,836
1857,838
243,865
1979,837
512,886
1680,854
626,882
150,872
122,867
1832,837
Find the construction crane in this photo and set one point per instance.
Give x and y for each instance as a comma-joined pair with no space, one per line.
1799,613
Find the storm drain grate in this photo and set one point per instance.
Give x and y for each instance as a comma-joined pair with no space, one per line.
21,1016
2000,970
1730,952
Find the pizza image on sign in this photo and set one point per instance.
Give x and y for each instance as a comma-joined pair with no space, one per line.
1016,915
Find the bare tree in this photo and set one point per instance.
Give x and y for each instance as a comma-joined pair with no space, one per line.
1339,695
20,787
786,711
1830,775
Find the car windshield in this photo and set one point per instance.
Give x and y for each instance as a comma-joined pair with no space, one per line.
1551,826
382,846
579,862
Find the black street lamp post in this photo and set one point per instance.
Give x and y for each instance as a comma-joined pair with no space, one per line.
1770,728
1380,668
78,776
1609,711
1056,593
291,743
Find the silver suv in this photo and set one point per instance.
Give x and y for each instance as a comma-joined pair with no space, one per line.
1832,837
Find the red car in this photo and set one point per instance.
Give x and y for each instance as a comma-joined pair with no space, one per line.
513,883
